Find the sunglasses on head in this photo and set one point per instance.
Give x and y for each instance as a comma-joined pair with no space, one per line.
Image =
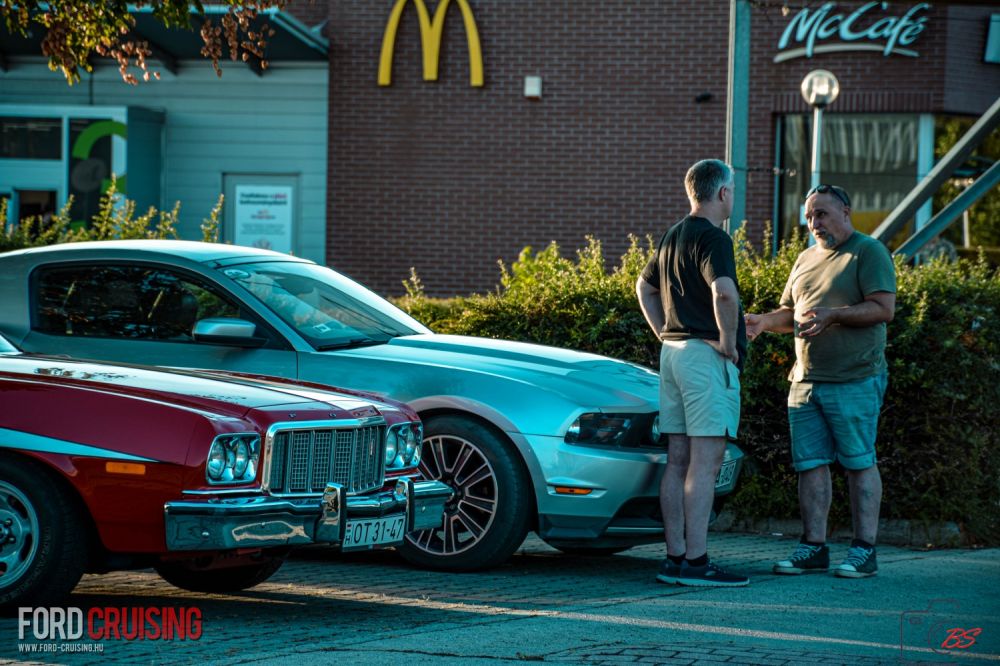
838,192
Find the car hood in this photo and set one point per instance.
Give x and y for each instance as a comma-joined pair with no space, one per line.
183,388
584,378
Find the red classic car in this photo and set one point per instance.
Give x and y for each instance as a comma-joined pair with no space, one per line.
208,477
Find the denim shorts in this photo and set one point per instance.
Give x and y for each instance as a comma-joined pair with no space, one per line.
699,390
835,421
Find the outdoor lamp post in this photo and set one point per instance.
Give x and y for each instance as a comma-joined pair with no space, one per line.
820,88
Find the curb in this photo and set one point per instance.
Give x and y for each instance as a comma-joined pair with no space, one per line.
911,533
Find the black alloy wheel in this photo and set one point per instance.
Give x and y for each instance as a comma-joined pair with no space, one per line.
489,515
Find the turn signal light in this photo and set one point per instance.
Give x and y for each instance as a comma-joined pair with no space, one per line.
124,468
570,490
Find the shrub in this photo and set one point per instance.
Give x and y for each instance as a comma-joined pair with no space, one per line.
115,219
940,421
547,299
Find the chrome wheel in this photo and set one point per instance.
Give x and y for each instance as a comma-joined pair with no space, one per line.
471,512
18,534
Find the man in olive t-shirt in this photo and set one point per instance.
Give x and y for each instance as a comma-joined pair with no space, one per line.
837,301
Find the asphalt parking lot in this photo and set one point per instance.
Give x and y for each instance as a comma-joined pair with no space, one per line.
543,606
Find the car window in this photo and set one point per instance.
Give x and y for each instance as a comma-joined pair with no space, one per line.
124,302
328,309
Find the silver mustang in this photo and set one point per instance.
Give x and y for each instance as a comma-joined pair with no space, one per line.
530,437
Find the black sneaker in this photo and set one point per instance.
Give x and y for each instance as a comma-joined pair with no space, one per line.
805,559
709,575
860,563
668,572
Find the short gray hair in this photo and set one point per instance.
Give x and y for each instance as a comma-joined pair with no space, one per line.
704,180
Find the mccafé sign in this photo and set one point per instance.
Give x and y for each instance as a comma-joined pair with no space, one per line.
430,40
868,28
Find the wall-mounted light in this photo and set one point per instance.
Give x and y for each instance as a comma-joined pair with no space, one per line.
703,97
533,87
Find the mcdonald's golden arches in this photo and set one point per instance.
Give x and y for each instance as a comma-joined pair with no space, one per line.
430,40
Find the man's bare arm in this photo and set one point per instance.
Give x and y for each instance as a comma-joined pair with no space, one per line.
877,308
651,305
777,321
726,304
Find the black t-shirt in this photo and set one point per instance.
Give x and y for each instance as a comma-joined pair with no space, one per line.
691,255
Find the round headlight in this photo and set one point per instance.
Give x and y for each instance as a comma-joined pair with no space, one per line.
216,460
391,447
241,459
411,446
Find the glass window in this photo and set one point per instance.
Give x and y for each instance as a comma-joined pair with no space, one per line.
89,165
992,53
36,203
31,138
124,302
329,310
872,156
6,347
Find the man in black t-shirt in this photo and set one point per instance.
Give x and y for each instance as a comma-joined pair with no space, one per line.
690,298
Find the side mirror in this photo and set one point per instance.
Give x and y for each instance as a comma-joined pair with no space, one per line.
226,331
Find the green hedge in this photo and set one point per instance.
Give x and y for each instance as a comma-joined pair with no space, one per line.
940,423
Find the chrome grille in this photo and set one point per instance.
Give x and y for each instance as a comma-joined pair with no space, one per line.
303,461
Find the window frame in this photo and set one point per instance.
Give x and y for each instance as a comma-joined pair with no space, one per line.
275,341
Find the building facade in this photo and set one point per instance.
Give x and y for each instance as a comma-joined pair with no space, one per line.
256,136
445,135
590,112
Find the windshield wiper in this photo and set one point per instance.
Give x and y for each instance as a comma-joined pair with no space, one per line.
347,344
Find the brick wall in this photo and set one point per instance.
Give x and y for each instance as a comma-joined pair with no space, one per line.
310,12
448,179
972,85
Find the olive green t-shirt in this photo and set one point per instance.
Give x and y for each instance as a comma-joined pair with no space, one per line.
837,278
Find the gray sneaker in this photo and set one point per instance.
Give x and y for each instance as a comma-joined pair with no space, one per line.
668,572
805,559
710,575
860,563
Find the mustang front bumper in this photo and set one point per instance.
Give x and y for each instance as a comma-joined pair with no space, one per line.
260,521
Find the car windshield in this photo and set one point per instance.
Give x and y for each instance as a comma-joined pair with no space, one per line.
6,347
329,310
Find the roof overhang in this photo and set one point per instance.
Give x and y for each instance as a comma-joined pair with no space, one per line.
292,41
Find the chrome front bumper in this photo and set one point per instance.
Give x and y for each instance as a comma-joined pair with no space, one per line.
261,521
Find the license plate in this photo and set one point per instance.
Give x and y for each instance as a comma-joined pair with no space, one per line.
361,534
725,474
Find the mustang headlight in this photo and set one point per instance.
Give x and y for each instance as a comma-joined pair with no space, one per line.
233,459
599,428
